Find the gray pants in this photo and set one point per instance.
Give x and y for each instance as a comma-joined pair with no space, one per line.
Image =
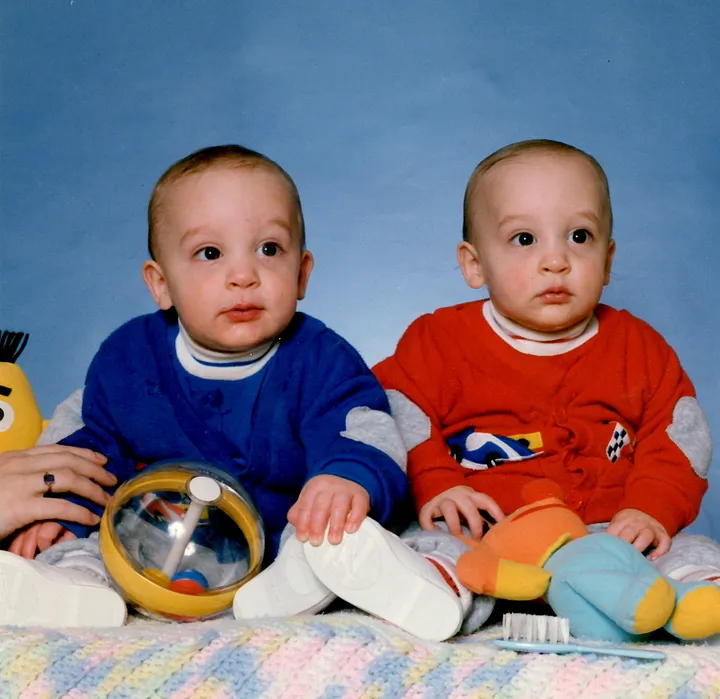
84,554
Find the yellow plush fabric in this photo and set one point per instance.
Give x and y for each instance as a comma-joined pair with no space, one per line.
20,422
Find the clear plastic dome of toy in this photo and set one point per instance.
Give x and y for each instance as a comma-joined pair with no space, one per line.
179,539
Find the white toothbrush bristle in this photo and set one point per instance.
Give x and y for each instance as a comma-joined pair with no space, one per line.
540,627
536,628
564,630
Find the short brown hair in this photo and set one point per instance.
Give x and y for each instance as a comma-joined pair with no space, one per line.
538,145
216,156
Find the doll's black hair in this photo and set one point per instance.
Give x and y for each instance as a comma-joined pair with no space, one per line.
12,345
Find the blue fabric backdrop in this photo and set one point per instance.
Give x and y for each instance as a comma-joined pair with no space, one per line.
380,110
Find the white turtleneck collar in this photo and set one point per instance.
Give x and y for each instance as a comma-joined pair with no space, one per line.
223,366
538,343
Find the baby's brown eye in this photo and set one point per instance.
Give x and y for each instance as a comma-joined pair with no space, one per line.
269,249
581,236
209,253
524,239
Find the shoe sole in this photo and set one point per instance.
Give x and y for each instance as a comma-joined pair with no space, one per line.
365,570
287,587
29,598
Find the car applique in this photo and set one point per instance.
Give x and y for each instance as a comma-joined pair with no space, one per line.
480,450
620,438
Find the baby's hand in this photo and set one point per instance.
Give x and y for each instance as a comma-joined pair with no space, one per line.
456,501
342,503
640,530
38,537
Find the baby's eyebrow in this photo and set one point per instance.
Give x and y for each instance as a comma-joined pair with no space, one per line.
193,231
589,214
512,218
280,223
5,390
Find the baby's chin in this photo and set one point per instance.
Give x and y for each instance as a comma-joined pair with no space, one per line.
229,346
552,322
239,349
553,328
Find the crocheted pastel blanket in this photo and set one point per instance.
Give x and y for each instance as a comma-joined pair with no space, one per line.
336,656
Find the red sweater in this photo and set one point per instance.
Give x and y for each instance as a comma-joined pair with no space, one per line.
460,373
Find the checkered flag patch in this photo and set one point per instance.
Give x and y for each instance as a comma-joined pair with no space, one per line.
619,439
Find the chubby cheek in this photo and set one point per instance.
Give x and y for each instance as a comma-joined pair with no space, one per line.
189,312
285,305
513,283
279,286
593,276
194,301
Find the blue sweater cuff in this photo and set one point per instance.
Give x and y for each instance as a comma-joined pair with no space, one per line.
82,531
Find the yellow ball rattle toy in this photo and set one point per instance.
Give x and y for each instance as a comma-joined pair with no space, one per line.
179,539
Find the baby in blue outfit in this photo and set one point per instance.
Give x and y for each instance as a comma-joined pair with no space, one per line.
230,373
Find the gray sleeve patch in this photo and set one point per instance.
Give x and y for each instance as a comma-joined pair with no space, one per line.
691,433
66,419
377,429
414,425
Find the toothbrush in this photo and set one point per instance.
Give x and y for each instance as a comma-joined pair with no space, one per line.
530,633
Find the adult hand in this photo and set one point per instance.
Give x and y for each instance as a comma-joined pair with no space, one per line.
23,486
460,500
329,500
641,530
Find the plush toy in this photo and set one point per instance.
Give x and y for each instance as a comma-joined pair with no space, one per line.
20,419
603,585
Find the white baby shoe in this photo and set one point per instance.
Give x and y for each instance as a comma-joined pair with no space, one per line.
287,587
696,573
376,571
38,594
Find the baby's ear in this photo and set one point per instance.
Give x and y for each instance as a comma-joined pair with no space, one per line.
470,265
609,261
154,279
306,266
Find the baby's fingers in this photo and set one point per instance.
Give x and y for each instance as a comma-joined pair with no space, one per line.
449,511
320,517
474,520
338,516
486,503
359,508
30,542
47,534
643,539
615,529
299,516
628,534
662,546
67,535
16,546
426,517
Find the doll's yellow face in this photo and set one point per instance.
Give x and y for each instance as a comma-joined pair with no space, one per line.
20,419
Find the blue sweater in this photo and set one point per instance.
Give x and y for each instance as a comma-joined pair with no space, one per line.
319,410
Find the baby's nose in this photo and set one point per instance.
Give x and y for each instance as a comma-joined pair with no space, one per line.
242,273
555,261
